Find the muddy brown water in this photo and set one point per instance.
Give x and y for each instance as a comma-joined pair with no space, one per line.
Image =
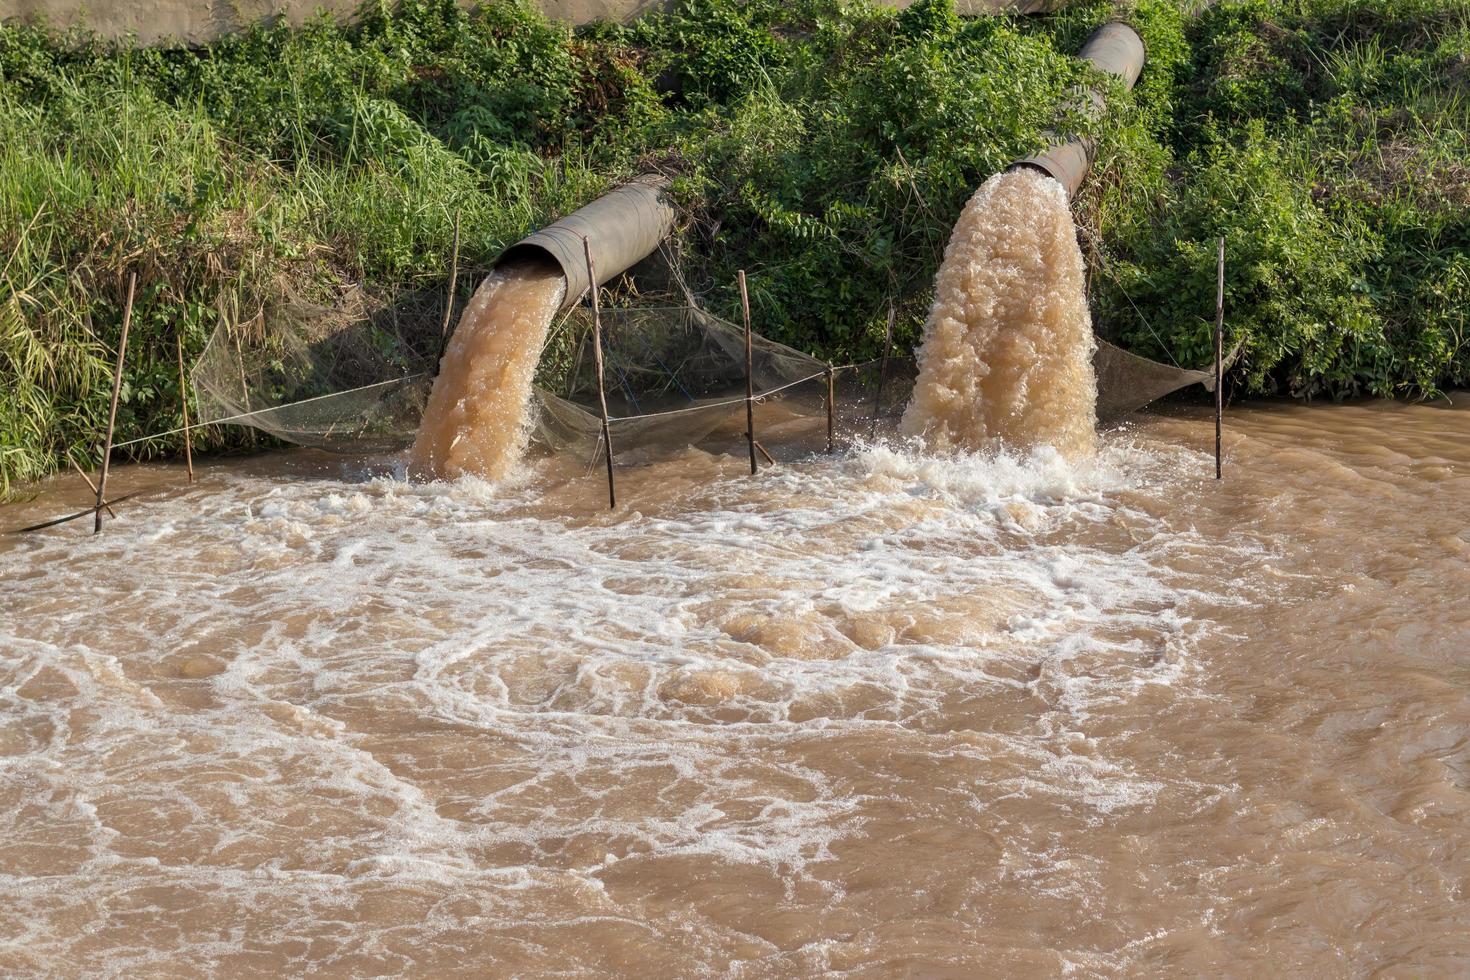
883,714
478,419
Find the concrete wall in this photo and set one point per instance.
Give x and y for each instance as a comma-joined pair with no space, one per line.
197,21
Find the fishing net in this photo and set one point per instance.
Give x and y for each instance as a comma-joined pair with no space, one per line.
353,375
349,376
1127,382
673,375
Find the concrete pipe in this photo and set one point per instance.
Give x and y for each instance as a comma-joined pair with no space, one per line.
623,227
1114,48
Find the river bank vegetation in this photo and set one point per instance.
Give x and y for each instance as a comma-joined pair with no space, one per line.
824,146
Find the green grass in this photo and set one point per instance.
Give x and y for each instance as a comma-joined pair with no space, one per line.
1327,140
824,146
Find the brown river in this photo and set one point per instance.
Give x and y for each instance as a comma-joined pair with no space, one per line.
870,715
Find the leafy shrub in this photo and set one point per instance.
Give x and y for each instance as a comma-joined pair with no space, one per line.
1295,293
715,52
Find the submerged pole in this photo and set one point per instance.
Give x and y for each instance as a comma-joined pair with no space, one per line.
749,374
122,350
70,517
612,493
831,389
184,403
92,486
449,299
1219,355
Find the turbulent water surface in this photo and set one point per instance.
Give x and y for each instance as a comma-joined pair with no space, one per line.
878,714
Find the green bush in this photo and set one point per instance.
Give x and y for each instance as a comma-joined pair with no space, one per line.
1295,292
274,164
1325,139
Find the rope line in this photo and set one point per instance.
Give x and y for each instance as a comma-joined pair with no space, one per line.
1165,347
729,401
1108,268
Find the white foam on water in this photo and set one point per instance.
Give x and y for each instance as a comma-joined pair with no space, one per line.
444,686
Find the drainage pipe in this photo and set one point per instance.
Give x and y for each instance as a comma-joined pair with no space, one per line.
1114,48
622,228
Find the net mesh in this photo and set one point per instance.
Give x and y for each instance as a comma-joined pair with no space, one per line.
673,375
354,375
1126,382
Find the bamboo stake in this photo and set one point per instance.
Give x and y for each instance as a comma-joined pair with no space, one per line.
831,388
122,350
83,474
1219,356
449,299
749,374
882,372
769,458
612,493
184,401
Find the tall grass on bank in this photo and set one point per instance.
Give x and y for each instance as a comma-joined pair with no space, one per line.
104,170
825,146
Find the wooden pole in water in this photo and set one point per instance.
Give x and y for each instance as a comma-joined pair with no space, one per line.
184,402
882,372
449,299
612,493
749,374
122,350
1219,355
831,389
83,474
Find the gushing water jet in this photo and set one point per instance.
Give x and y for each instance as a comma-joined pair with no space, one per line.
479,416
1007,351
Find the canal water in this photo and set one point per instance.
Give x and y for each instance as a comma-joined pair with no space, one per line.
888,712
